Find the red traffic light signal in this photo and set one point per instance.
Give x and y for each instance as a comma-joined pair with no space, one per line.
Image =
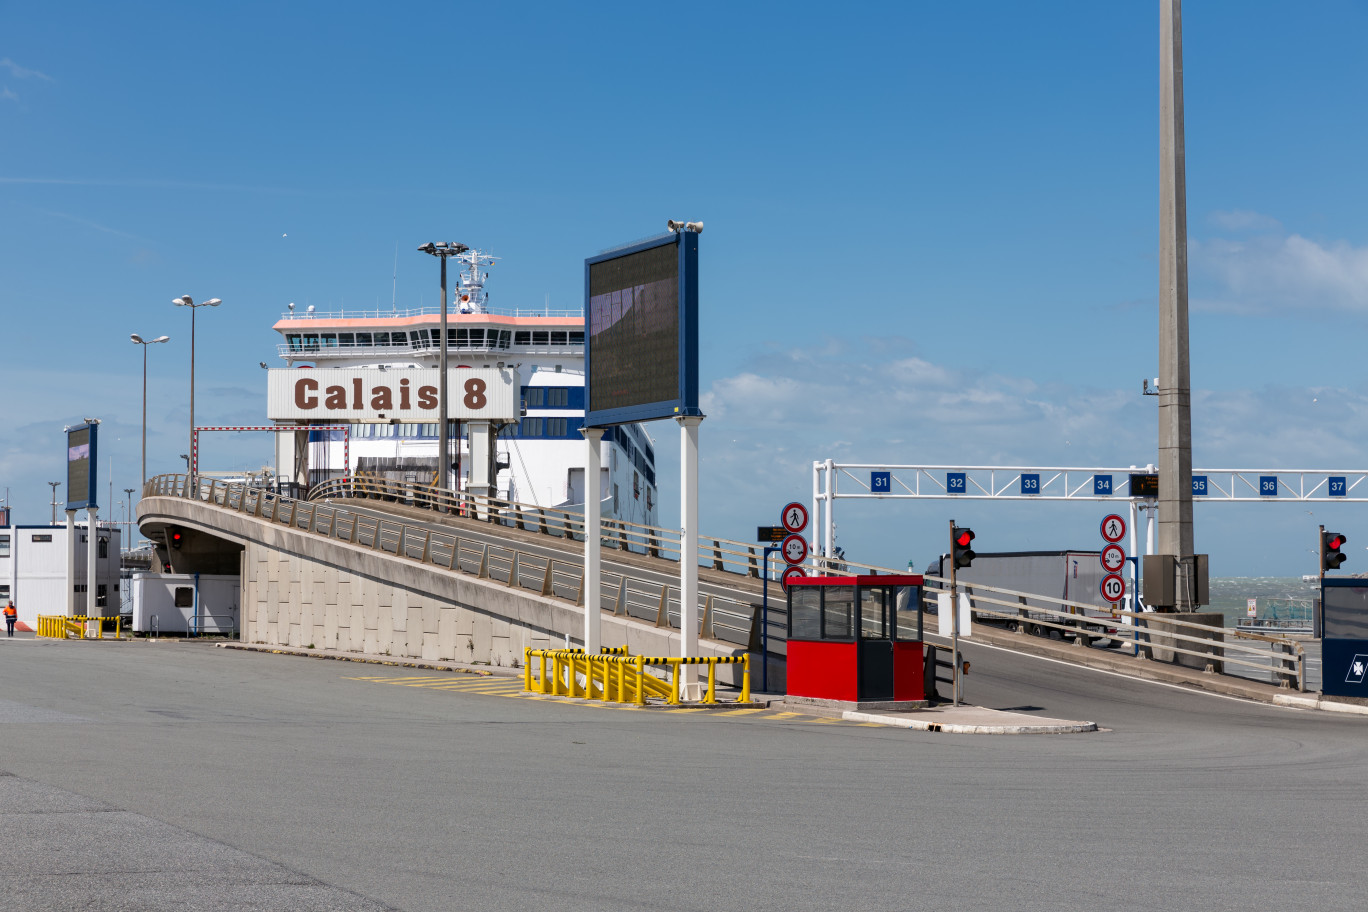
175,538
960,539
1331,555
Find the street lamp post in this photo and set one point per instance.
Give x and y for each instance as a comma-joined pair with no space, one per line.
442,251
54,485
128,520
144,343
187,301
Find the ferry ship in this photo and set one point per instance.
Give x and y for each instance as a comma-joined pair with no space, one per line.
540,459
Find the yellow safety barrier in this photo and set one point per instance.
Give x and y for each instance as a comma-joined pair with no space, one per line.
61,627
620,678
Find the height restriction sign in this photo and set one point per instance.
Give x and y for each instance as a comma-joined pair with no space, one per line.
1113,558
794,549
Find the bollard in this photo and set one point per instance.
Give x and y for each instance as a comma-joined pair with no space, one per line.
711,695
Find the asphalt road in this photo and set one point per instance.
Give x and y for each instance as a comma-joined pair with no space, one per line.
182,776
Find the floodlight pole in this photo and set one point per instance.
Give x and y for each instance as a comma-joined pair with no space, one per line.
593,495
688,551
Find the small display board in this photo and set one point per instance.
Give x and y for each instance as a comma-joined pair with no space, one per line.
772,534
1252,607
1144,485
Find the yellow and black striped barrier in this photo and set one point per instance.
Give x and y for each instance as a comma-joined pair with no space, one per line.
79,627
617,677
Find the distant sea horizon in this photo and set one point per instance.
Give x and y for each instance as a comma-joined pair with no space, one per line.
1281,596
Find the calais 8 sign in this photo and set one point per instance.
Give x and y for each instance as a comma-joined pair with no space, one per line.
374,395
641,337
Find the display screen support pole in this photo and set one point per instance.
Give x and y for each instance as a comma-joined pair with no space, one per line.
593,539
688,552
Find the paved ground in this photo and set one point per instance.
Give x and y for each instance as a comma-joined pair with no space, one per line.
177,776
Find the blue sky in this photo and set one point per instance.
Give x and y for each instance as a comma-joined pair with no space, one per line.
931,229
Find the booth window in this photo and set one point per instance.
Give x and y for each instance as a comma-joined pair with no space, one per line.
185,597
877,613
4,546
838,613
805,617
1345,615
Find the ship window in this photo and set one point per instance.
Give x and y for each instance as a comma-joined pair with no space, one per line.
293,341
577,338
381,338
541,337
399,339
522,337
462,338
558,338
555,427
364,340
504,338
310,342
636,486
346,340
477,338
535,396
531,427
557,398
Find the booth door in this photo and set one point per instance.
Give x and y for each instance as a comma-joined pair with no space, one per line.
875,645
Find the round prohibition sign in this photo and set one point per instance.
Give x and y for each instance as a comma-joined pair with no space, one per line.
790,573
794,517
1113,528
1113,588
794,548
1113,558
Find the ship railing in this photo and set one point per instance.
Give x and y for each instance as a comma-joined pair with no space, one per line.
731,620
1153,636
561,313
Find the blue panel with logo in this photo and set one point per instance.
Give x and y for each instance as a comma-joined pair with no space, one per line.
1344,648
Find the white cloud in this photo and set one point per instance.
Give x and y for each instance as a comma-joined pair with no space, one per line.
19,72
1274,274
1243,220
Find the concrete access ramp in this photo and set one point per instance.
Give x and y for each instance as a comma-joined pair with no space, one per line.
322,576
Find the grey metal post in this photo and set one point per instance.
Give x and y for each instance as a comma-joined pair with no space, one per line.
442,390
194,457
1175,393
954,623
593,535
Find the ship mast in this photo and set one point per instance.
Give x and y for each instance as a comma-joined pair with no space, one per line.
471,295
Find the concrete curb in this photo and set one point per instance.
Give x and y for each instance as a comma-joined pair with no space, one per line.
489,672
1319,703
1036,727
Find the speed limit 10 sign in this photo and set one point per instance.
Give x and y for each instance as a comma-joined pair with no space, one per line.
1113,588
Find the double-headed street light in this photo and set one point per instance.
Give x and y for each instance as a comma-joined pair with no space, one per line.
187,301
442,251
144,343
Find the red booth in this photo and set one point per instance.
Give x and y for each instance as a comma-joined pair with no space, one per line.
856,639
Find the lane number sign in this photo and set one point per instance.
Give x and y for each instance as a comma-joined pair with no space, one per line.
1113,528
789,574
1113,588
880,482
794,549
1113,558
794,517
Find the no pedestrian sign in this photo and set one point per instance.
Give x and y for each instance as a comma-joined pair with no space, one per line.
1113,528
794,517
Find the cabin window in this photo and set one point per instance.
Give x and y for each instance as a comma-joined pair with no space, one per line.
636,486
504,338
522,337
477,338
534,396
329,340
380,338
531,427
557,398
559,338
541,337
577,338
4,546
364,340
346,340
399,339
292,340
310,342
555,427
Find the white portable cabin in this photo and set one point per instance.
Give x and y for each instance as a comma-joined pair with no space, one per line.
186,603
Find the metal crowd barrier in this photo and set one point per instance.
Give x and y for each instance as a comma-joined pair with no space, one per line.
620,678
77,627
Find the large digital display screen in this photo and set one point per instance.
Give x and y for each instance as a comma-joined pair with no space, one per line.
641,332
81,463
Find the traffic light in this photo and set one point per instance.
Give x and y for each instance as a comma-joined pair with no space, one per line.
1331,555
964,555
174,537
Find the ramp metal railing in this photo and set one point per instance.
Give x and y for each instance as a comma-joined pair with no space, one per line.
78,627
616,677
721,618
1222,650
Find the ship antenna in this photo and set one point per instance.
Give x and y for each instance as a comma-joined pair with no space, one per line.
394,288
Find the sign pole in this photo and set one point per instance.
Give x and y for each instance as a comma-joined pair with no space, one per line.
593,539
688,552
954,622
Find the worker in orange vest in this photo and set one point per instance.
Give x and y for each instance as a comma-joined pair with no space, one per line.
11,617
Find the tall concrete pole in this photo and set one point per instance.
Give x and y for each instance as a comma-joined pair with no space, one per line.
1175,383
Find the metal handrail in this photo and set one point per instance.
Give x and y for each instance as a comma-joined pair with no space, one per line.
622,678
514,567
